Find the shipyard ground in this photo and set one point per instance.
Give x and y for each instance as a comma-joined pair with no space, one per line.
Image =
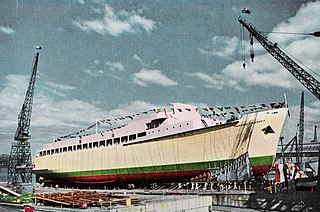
171,199
191,200
231,200
146,200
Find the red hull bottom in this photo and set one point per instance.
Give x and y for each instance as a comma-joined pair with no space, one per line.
143,177
260,170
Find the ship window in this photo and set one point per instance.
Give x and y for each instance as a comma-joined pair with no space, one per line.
102,143
69,148
64,149
44,153
85,146
52,151
56,150
124,139
79,147
60,150
142,134
132,137
48,152
155,123
109,142
95,144
116,140
74,148
90,145
40,153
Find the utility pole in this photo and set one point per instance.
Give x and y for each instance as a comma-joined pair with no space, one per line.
299,150
315,139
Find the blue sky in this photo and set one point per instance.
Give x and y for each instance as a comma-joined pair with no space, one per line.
102,59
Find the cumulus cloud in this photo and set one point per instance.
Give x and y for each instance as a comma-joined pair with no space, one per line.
116,23
50,117
140,60
137,58
6,30
145,77
306,20
60,86
12,97
222,46
114,66
132,108
99,69
216,81
212,81
58,116
262,72
266,71
93,73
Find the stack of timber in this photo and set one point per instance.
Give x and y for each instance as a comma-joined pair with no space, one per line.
81,199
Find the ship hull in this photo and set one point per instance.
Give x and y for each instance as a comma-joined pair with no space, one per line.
170,158
96,178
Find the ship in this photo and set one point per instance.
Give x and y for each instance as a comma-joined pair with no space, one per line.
169,145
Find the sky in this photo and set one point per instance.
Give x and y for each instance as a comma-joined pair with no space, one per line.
102,59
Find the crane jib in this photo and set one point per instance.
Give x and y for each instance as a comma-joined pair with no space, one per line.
306,79
22,132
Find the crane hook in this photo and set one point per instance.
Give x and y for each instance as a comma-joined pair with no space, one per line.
251,55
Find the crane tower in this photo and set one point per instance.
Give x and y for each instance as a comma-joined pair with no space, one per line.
20,165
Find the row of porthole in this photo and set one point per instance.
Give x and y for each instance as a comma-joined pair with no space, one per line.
96,144
71,149
92,145
173,127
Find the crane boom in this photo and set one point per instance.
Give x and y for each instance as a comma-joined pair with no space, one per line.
306,79
24,118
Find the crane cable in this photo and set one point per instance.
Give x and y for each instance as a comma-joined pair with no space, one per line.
251,47
315,34
243,52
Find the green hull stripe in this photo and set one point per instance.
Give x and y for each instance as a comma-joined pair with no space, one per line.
260,161
257,161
